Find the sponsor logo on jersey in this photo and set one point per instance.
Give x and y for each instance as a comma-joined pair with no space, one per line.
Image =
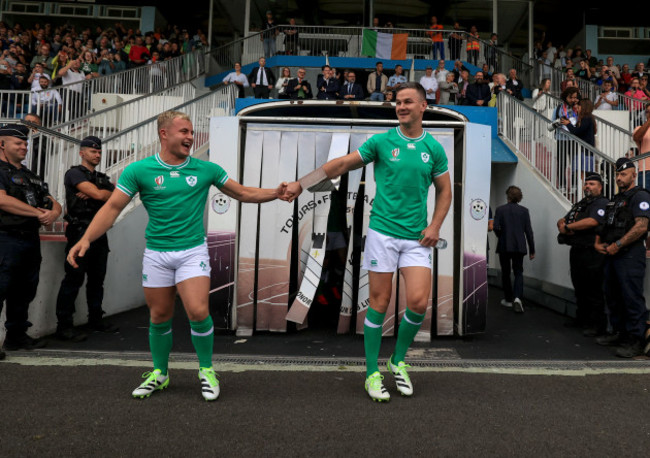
425,157
644,206
395,154
191,180
411,146
174,174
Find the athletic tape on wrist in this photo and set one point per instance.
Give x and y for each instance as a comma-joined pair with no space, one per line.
317,181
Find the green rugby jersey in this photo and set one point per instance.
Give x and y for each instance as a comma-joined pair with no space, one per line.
404,170
174,196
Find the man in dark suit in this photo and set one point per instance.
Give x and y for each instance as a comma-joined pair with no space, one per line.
328,87
261,80
351,90
512,227
478,93
299,88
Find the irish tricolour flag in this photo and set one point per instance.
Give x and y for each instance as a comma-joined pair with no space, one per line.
384,45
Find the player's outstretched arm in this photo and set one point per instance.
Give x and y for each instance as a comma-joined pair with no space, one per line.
329,170
431,234
101,223
253,195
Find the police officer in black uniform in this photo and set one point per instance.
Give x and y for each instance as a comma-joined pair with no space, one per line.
578,229
621,238
86,190
25,205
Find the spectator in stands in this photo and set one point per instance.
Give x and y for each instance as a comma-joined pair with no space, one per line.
35,75
551,53
328,87
187,44
437,42
395,81
472,46
43,57
458,68
448,90
19,78
441,72
613,68
544,88
500,84
592,61
47,102
377,82
585,126
455,42
491,53
607,99
487,74
606,75
513,229
544,65
351,90
578,56
641,137
430,85
299,88
59,61
291,36
118,63
88,65
261,80
639,70
269,32
237,78
463,84
106,65
514,86
569,80
584,72
118,48
283,82
138,54
478,93
568,66
73,95
643,85
635,92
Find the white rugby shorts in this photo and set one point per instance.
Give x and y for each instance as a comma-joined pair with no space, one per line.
385,254
168,268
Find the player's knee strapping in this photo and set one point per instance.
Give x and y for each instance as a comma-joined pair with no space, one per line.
203,340
408,328
160,343
372,330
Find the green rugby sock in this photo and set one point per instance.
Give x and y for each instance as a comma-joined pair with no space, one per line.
372,330
408,328
160,343
203,340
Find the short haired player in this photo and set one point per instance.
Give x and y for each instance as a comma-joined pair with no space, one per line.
406,161
173,187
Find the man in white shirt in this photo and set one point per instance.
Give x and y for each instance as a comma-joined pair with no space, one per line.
46,101
430,85
607,99
441,72
238,78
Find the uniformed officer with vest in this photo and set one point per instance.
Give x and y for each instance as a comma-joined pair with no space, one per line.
86,190
578,229
25,206
621,239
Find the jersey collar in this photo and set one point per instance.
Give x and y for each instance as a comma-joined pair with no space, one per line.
167,166
409,139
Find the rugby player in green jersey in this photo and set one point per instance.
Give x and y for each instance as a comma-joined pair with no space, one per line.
173,187
407,161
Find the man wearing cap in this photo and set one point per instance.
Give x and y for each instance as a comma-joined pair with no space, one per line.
578,229
430,85
86,190
25,205
621,239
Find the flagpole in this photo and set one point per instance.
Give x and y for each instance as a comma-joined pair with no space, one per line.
412,72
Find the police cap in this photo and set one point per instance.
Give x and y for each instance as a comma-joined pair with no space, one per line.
593,176
14,130
91,142
624,163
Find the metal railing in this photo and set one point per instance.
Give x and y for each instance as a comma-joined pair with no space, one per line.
347,42
55,152
76,98
611,140
591,91
561,158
